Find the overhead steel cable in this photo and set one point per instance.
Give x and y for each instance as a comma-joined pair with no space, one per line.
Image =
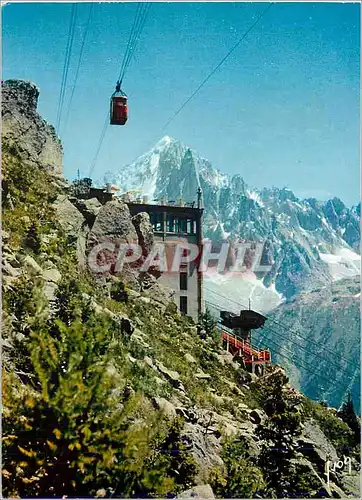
217,66
137,35
137,28
215,69
130,38
279,324
78,64
331,362
303,364
99,146
293,357
68,53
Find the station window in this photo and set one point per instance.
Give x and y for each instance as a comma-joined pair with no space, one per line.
180,225
176,226
183,226
191,226
183,281
183,304
170,223
156,221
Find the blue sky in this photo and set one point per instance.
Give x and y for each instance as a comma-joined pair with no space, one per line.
282,111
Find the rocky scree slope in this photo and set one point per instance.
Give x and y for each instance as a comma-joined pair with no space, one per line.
108,390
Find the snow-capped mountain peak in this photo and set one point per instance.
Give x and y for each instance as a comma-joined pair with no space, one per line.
301,235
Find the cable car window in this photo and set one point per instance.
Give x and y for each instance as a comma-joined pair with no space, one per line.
194,227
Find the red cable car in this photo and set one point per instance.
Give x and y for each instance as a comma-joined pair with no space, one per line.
119,107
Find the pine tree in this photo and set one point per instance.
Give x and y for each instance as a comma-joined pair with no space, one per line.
278,434
208,323
32,238
348,415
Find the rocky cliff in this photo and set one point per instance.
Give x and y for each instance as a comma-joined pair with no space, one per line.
25,132
108,391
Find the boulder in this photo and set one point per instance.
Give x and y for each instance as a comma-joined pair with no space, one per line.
149,362
52,275
113,224
9,270
165,406
187,414
160,294
205,448
89,209
189,358
138,337
202,375
320,487
31,266
225,358
172,376
351,483
144,231
101,493
69,216
314,445
200,491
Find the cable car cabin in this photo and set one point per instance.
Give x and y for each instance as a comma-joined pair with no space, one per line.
119,108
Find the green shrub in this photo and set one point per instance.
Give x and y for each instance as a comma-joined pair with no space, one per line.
240,478
336,431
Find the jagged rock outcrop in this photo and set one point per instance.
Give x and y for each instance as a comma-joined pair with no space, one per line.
88,208
25,132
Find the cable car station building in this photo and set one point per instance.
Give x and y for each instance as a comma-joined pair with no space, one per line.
173,224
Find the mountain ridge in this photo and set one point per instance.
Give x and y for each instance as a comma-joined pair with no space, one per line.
318,240
312,246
